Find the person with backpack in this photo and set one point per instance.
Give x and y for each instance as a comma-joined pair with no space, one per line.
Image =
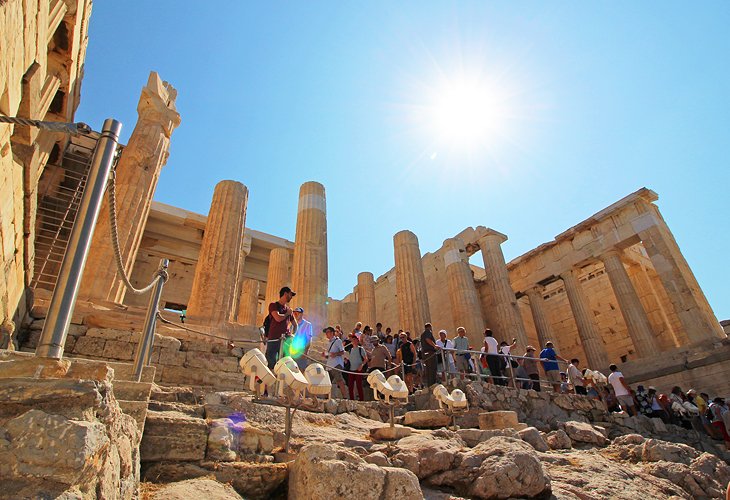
335,360
277,324
358,359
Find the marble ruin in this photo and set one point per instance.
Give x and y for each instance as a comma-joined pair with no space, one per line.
615,288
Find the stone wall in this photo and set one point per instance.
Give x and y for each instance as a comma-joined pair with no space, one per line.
43,46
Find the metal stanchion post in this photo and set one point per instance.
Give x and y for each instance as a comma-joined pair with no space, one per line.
511,371
445,367
63,300
147,339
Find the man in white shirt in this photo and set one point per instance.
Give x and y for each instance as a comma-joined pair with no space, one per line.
575,377
335,360
493,359
445,343
622,390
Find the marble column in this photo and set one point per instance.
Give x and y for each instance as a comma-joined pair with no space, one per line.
651,300
697,318
213,297
277,275
410,284
466,308
632,311
249,302
506,311
137,174
366,299
309,269
588,332
542,325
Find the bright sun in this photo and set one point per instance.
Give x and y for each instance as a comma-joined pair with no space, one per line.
466,114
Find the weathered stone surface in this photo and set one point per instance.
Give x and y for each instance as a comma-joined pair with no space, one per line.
195,488
388,433
425,419
498,420
473,437
173,436
401,484
584,433
534,438
34,367
378,458
223,440
425,455
655,450
559,440
255,440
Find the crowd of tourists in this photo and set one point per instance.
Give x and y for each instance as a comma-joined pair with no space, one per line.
427,359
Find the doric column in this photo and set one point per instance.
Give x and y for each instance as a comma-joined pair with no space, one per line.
136,180
466,308
634,315
667,337
590,337
542,325
366,299
506,312
682,288
309,270
277,275
249,302
410,283
213,297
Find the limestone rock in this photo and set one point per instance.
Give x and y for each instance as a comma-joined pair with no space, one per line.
388,433
559,440
378,458
196,488
223,440
401,484
427,419
695,482
473,437
534,438
629,439
171,435
501,467
655,450
584,433
425,455
498,420
256,440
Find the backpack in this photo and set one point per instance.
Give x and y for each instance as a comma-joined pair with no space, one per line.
266,326
708,414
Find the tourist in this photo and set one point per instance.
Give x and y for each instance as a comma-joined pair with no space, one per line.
564,387
429,355
447,355
461,344
610,399
575,377
418,365
719,414
622,390
391,345
366,339
642,401
338,331
358,358
550,365
530,366
406,357
380,359
335,360
657,410
279,319
357,331
494,362
379,331
302,339
508,364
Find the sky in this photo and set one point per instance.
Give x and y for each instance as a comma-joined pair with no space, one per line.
527,117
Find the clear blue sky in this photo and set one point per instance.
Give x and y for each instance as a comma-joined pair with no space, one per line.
595,101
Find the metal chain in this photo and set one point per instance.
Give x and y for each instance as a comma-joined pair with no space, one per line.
160,274
66,128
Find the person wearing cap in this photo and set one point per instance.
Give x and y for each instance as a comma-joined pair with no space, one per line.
280,318
303,337
335,360
550,365
530,366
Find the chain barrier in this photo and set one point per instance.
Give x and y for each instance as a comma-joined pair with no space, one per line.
62,127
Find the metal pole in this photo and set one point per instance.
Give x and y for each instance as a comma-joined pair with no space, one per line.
445,367
147,338
63,300
511,371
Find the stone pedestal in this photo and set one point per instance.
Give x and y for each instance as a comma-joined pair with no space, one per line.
466,308
136,180
684,291
309,269
213,297
249,302
542,325
366,299
632,311
410,282
587,330
506,313
277,275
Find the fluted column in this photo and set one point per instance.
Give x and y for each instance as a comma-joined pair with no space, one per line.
309,270
277,275
588,332
249,302
542,325
366,299
506,311
466,308
213,296
410,283
137,174
633,312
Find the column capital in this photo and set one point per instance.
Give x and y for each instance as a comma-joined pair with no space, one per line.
534,290
611,252
488,234
569,274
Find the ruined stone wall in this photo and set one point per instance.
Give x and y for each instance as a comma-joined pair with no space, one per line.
42,47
